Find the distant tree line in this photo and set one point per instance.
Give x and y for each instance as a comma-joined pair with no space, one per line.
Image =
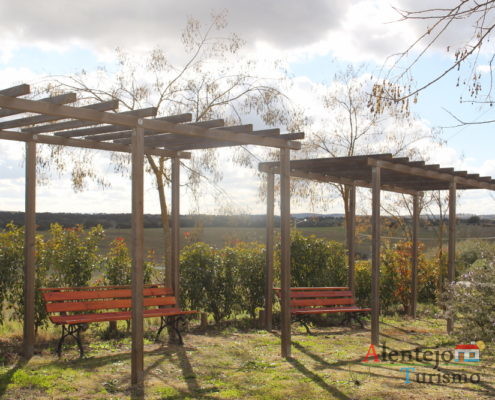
123,221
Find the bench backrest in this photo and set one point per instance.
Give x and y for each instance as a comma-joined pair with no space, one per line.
306,297
99,298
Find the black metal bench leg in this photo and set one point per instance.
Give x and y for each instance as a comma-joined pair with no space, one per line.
174,322
359,320
163,324
75,332
305,323
61,342
346,321
79,342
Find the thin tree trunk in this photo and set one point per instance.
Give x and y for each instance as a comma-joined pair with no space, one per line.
159,177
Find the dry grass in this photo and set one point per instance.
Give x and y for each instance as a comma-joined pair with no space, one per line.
234,362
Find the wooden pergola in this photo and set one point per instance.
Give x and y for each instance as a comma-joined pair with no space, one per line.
138,132
378,172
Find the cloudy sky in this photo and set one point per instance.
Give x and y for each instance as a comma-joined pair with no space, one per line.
313,39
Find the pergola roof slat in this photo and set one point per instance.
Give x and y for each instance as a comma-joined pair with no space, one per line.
15,91
108,132
163,138
65,98
60,141
145,112
68,112
267,132
398,173
16,123
206,144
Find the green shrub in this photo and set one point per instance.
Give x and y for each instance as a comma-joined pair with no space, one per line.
205,285
395,277
117,264
223,281
72,254
362,282
471,301
251,258
11,263
12,272
469,251
317,262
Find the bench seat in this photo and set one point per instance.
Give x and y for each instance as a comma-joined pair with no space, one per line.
328,310
72,308
322,300
115,316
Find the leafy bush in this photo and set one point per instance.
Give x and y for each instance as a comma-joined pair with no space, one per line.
395,277
11,262
250,258
222,281
469,251
117,264
317,262
12,272
470,300
72,254
362,282
205,285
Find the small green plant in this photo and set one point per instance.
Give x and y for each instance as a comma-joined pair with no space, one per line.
470,302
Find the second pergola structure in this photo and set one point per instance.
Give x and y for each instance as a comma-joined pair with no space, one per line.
138,132
378,172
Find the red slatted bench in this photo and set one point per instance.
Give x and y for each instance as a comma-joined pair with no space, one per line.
306,301
76,307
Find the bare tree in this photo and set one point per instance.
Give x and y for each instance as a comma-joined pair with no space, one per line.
214,81
471,55
350,128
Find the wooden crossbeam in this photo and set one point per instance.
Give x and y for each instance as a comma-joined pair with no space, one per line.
108,132
430,174
145,112
173,137
181,140
296,173
60,99
209,144
267,132
16,123
60,141
15,91
131,122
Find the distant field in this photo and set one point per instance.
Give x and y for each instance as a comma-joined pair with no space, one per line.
221,236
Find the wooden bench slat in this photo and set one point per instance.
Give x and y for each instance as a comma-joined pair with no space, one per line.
75,288
322,302
115,316
300,289
71,306
321,293
329,310
102,294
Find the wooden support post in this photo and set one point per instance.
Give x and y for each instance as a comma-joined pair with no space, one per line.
270,201
351,236
451,257
285,251
30,251
175,246
375,256
414,257
137,273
